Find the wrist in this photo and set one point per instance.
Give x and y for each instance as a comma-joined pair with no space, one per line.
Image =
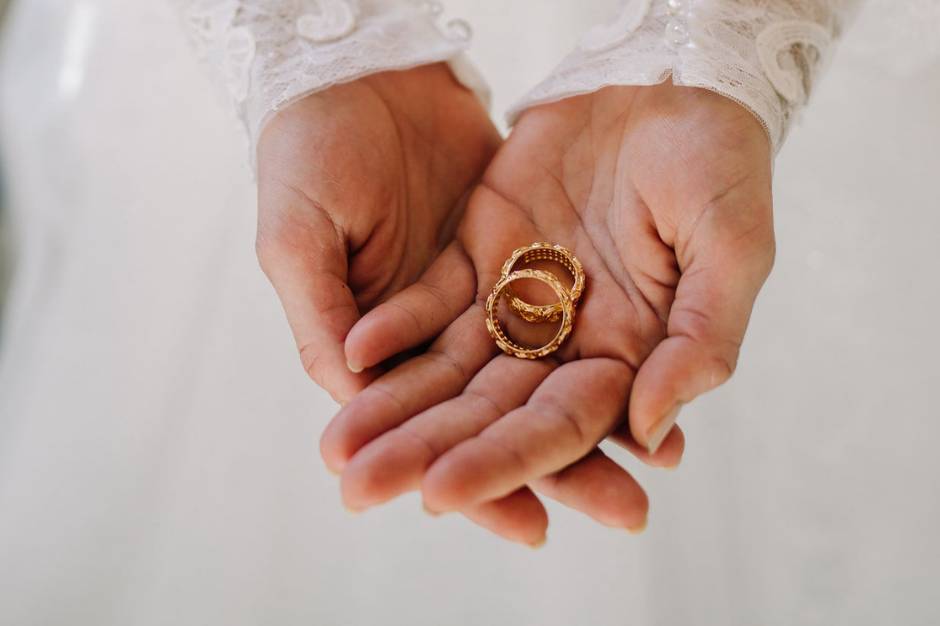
763,55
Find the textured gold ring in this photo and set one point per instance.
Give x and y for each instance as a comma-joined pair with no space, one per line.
542,251
499,335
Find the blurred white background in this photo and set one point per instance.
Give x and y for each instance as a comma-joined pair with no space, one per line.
158,458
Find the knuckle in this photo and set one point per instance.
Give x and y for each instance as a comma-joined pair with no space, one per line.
724,364
717,350
621,505
615,374
696,324
407,313
566,421
415,442
312,364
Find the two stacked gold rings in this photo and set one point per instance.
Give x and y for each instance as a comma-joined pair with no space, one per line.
562,311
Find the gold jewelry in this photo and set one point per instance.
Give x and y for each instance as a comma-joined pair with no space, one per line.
541,251
496,331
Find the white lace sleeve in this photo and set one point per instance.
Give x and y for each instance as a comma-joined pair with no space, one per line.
269,53
765,54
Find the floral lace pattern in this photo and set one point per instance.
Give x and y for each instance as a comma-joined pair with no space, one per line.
764,54
269,53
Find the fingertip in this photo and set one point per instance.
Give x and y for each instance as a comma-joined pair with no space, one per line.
383,470
640,528
361,348
443,491
358,485
668,456
364,418
352,385
434,497
334,444
671,451
673,375
519,517
600,488
661,429
621,504
625,506
415,315
329,371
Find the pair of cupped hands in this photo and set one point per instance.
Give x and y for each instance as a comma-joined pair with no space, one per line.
387,207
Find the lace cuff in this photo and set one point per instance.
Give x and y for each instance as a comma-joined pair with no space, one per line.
764,54
269,53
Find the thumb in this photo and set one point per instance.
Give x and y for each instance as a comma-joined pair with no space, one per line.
724,260
303,253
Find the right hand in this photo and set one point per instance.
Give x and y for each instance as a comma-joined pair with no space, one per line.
359,189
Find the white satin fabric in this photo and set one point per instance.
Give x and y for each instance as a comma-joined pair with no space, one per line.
158,460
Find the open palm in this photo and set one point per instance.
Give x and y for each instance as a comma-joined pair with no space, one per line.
664,195
360,188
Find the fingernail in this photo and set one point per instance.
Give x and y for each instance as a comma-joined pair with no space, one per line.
536,545
354,368
429,511
332,471
658,433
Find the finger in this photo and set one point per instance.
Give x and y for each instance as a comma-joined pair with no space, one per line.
728,257
600,488
519,517
304,256
416,314
668,456
418,384
573,409
395,462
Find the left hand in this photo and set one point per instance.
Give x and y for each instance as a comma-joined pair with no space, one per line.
664,193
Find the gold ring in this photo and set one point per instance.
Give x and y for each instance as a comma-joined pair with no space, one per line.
541,251
496,331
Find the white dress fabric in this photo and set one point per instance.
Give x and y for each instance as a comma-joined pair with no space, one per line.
765,54
158,458
269,53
